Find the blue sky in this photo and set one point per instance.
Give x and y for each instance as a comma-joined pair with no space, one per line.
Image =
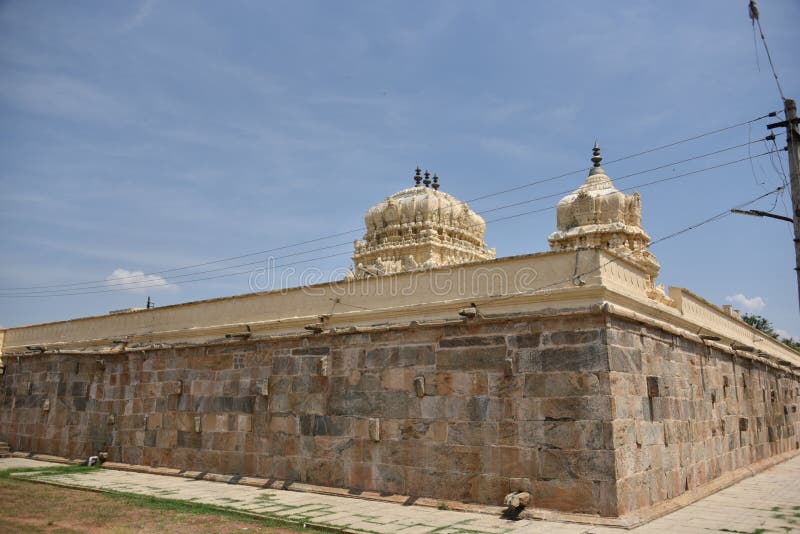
144,136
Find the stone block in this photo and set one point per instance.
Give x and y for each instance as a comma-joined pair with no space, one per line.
346,359
403,356
311,351
577,435
624,359
244,423
189,439
573,337
569,495
524,340
473,358
397,379
576,408
489,488
324,425
442,485
392,479
575,358
566,384
287,424
285,365
472,341
529,360
581,464
466,433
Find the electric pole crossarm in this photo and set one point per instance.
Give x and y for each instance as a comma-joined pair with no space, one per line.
759,213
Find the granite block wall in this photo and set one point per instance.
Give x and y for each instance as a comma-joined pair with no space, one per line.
589,412
685,413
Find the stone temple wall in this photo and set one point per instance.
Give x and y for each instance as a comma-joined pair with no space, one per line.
590,412
686,414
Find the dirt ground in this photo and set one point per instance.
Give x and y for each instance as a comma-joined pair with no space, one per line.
27,507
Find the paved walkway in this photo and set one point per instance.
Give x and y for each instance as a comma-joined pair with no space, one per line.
770,501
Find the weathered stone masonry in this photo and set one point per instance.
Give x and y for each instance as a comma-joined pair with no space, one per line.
593,413
686,413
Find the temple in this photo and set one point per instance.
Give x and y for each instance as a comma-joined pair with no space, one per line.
433,371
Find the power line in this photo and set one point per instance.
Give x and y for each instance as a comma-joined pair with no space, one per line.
249,271
720,215
576,275
80,291
753,10
138,279
139,284
713,167
630,156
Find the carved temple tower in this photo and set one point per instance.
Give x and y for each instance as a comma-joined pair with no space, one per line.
599,216
419,228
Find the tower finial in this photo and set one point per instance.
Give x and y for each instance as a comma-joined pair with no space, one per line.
435,182
418,176
427,180
596,157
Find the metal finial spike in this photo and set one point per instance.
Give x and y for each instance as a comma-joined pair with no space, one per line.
435,182
418,176
427,180
596,157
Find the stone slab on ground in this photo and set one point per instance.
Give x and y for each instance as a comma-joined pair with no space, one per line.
770,500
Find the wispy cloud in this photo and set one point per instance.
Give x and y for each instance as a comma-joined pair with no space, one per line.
137,281
754,304
143,11
61,96
786,334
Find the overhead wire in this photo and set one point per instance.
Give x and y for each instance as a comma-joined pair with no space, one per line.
715,217
81,291
138,285
142,277
119,281
577,276
754,17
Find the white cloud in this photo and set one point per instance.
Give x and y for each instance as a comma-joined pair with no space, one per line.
137,281
786,333
755,304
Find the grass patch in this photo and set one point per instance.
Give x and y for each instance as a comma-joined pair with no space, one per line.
47,471
30,507
174,505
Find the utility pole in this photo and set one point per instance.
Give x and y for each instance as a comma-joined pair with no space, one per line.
793,149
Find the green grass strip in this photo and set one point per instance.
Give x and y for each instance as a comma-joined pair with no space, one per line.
47,471
152,502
